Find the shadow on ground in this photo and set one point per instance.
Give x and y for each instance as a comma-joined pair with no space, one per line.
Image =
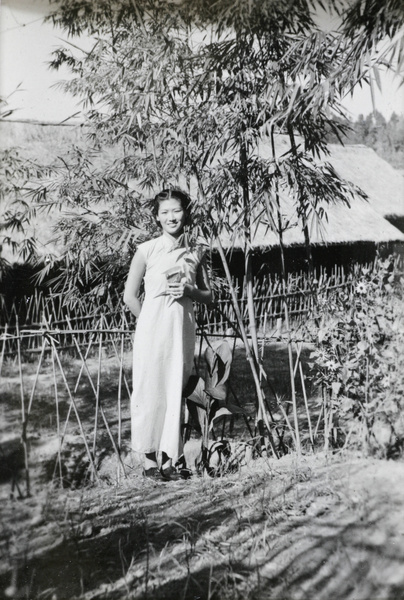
318,528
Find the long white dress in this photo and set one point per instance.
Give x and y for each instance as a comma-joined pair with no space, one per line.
163,350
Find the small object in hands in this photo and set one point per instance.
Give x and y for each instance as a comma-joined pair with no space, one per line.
174,275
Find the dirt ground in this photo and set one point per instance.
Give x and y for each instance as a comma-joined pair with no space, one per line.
322,527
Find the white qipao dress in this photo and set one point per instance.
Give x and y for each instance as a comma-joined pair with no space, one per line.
163,350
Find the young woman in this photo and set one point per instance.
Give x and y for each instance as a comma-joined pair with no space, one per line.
164,345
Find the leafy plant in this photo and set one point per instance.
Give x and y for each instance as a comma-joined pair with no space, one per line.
207,401
15,232
358,359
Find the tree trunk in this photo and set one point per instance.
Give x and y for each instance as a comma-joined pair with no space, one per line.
303,213
285,307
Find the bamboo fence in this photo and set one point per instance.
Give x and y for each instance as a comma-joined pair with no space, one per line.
27,314
88,343
42,330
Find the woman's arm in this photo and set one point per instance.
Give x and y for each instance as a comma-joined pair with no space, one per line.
202,292
133,282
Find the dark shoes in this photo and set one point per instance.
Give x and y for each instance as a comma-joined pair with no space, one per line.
154,474
167,474
170,474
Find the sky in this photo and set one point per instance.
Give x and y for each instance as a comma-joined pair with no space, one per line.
28,85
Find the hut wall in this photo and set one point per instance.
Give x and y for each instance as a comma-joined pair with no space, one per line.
325,257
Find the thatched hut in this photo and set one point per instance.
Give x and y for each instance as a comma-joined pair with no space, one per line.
348,234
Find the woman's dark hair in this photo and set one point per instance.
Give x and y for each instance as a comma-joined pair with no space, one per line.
167,194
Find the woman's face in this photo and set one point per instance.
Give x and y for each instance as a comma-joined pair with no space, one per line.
171,216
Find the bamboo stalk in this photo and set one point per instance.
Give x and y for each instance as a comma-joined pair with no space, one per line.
329,427
263,340
59,459
285,305
249,354
306,404
35,381
326,419
112,440
24,431
288,423
120,393
3,348
97,394
297,362
29,304
320,414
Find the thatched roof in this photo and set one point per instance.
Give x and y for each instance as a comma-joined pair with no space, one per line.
383,184
363,221
359,223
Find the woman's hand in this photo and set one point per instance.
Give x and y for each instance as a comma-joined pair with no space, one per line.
179,290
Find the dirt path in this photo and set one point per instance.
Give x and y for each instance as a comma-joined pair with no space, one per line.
326,527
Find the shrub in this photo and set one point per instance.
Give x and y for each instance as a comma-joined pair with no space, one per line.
358,359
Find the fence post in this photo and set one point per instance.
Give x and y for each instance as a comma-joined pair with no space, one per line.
85,366
97,395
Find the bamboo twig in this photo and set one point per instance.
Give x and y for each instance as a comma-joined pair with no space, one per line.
120,392
23,417
36,379
75,390
3,348
320,414
119,401
288,423
306,404
97,394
